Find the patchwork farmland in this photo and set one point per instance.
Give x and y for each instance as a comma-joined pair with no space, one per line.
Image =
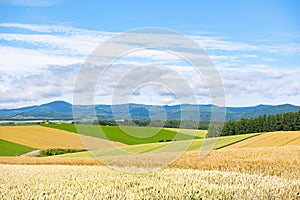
125,134
185,145
46,138
240,160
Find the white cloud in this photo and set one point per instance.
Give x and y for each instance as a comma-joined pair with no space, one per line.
267,82
53,83
26,61
220,44
23,53
23,61
39,28
56,44
67,41
58,29
72,41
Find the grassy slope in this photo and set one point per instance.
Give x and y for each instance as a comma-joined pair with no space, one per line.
191,145
12,149
124,134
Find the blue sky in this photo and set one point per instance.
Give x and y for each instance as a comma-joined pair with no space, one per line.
255,45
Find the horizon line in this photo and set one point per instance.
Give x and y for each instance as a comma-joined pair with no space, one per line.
204,104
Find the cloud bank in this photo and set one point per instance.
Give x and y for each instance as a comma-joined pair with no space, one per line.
40,63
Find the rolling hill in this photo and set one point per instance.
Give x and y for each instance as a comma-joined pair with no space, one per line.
63,110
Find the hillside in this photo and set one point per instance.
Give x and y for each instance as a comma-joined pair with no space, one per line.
63,110
53,110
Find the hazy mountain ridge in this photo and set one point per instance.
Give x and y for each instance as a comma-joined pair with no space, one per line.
63,110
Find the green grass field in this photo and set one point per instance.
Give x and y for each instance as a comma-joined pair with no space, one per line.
13,149
188,145
126,134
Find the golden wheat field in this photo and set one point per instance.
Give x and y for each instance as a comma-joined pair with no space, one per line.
44,138
272,139
279,161
283,161
245,170
99,182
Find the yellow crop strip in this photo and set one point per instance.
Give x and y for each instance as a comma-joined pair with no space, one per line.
272,139
198,133
44,138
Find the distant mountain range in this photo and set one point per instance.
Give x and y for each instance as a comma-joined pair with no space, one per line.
63,110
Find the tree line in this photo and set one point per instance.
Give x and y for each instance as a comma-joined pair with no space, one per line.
267,123
189,124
